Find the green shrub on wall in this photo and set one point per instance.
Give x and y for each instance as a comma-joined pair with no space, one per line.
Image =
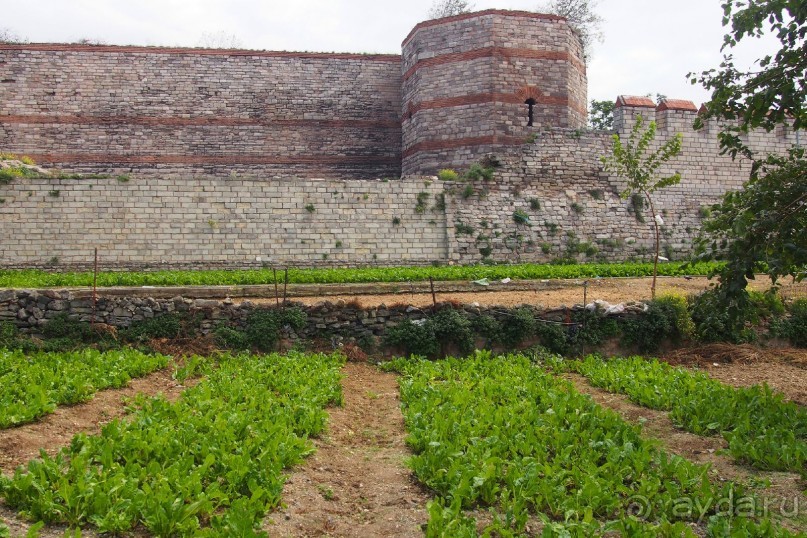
447,174
430,337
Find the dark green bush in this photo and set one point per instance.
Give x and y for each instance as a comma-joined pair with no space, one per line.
553,336
452,327
165,326
794,327
430,337
518,326
591,329
415,339
666,318
61,326
713,323
8,334
487,326
264,325
229,338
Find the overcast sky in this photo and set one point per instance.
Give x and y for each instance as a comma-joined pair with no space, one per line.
649,46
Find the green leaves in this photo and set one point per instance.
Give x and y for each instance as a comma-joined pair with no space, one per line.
761,225
759,98
632,161
501,433
761,428
32,385
211,461
36,279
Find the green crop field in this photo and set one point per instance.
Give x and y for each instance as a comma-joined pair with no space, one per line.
44,279
32,385
760,427
505,436
209,464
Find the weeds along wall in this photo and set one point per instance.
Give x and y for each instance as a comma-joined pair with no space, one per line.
151,110
551,199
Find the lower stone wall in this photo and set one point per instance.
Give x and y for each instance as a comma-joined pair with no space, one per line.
219,222
29,310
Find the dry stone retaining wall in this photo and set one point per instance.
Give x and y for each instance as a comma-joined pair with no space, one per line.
29,310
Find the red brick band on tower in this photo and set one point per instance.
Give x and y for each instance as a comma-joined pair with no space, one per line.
494,52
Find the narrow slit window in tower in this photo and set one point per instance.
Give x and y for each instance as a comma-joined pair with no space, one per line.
530,104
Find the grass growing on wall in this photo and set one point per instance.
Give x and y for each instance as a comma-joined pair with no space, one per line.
32,278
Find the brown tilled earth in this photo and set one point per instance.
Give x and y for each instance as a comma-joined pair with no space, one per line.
357,483
612,290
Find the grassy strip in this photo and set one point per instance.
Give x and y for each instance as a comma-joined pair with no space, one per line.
504,434
761,428
208,465
42,279
32,385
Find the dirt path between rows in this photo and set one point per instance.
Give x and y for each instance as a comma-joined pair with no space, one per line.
784,489
52,432
357,483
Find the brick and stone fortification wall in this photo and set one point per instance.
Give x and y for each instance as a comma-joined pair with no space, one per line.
183,112
219,222
467,81
574,207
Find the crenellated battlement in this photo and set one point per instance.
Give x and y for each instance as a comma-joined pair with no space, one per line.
678,116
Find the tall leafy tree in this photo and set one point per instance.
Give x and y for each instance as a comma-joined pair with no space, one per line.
583,17
638,165
763,225
601,114
447,8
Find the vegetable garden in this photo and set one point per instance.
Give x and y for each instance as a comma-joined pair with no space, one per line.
209,464
504,445
511,437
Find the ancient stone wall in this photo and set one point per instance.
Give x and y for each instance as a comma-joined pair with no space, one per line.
219,151
467,79
176,112
549,200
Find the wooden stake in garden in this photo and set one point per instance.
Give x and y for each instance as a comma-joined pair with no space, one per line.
285,284
631,163
94,287
585,293
274,277
434,295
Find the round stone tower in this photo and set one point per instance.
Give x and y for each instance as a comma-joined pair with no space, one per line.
476,83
